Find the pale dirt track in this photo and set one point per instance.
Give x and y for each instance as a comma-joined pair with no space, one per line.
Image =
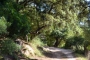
53,53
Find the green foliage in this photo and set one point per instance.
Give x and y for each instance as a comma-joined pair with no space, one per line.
3,25
76,43
50,41
20,24
58,33
74,40
56,19
9,47
88,47
19,21
36,43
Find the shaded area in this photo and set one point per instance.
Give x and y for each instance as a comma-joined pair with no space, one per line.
19,57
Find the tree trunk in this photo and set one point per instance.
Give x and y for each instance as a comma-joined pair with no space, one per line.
85,50
57,42
17,1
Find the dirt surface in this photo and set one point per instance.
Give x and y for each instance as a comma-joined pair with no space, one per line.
53,53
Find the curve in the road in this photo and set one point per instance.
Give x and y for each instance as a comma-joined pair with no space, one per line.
53,53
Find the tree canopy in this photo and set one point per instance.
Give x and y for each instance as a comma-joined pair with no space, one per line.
53,21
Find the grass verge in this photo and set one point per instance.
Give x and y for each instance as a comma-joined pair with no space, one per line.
35,43
80,56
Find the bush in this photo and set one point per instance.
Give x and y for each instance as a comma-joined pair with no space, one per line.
3,25
76,43
8,47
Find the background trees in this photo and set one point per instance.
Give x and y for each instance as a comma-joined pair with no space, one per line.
18,21
53,21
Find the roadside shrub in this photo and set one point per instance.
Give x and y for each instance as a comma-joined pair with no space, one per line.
8,47
35,43
3,25
76,43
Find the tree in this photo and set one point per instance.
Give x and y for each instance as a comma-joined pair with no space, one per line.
48,17
85,25
53,14
58,35
19,21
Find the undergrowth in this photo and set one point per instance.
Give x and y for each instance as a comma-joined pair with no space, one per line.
35,43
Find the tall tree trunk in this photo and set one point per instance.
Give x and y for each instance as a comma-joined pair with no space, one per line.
16,1
57,42
85,50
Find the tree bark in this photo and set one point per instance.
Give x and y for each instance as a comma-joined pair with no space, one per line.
57,42
85,50
17,1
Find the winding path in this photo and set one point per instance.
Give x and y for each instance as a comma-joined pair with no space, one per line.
53,53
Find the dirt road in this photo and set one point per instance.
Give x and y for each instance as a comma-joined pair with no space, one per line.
53,53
